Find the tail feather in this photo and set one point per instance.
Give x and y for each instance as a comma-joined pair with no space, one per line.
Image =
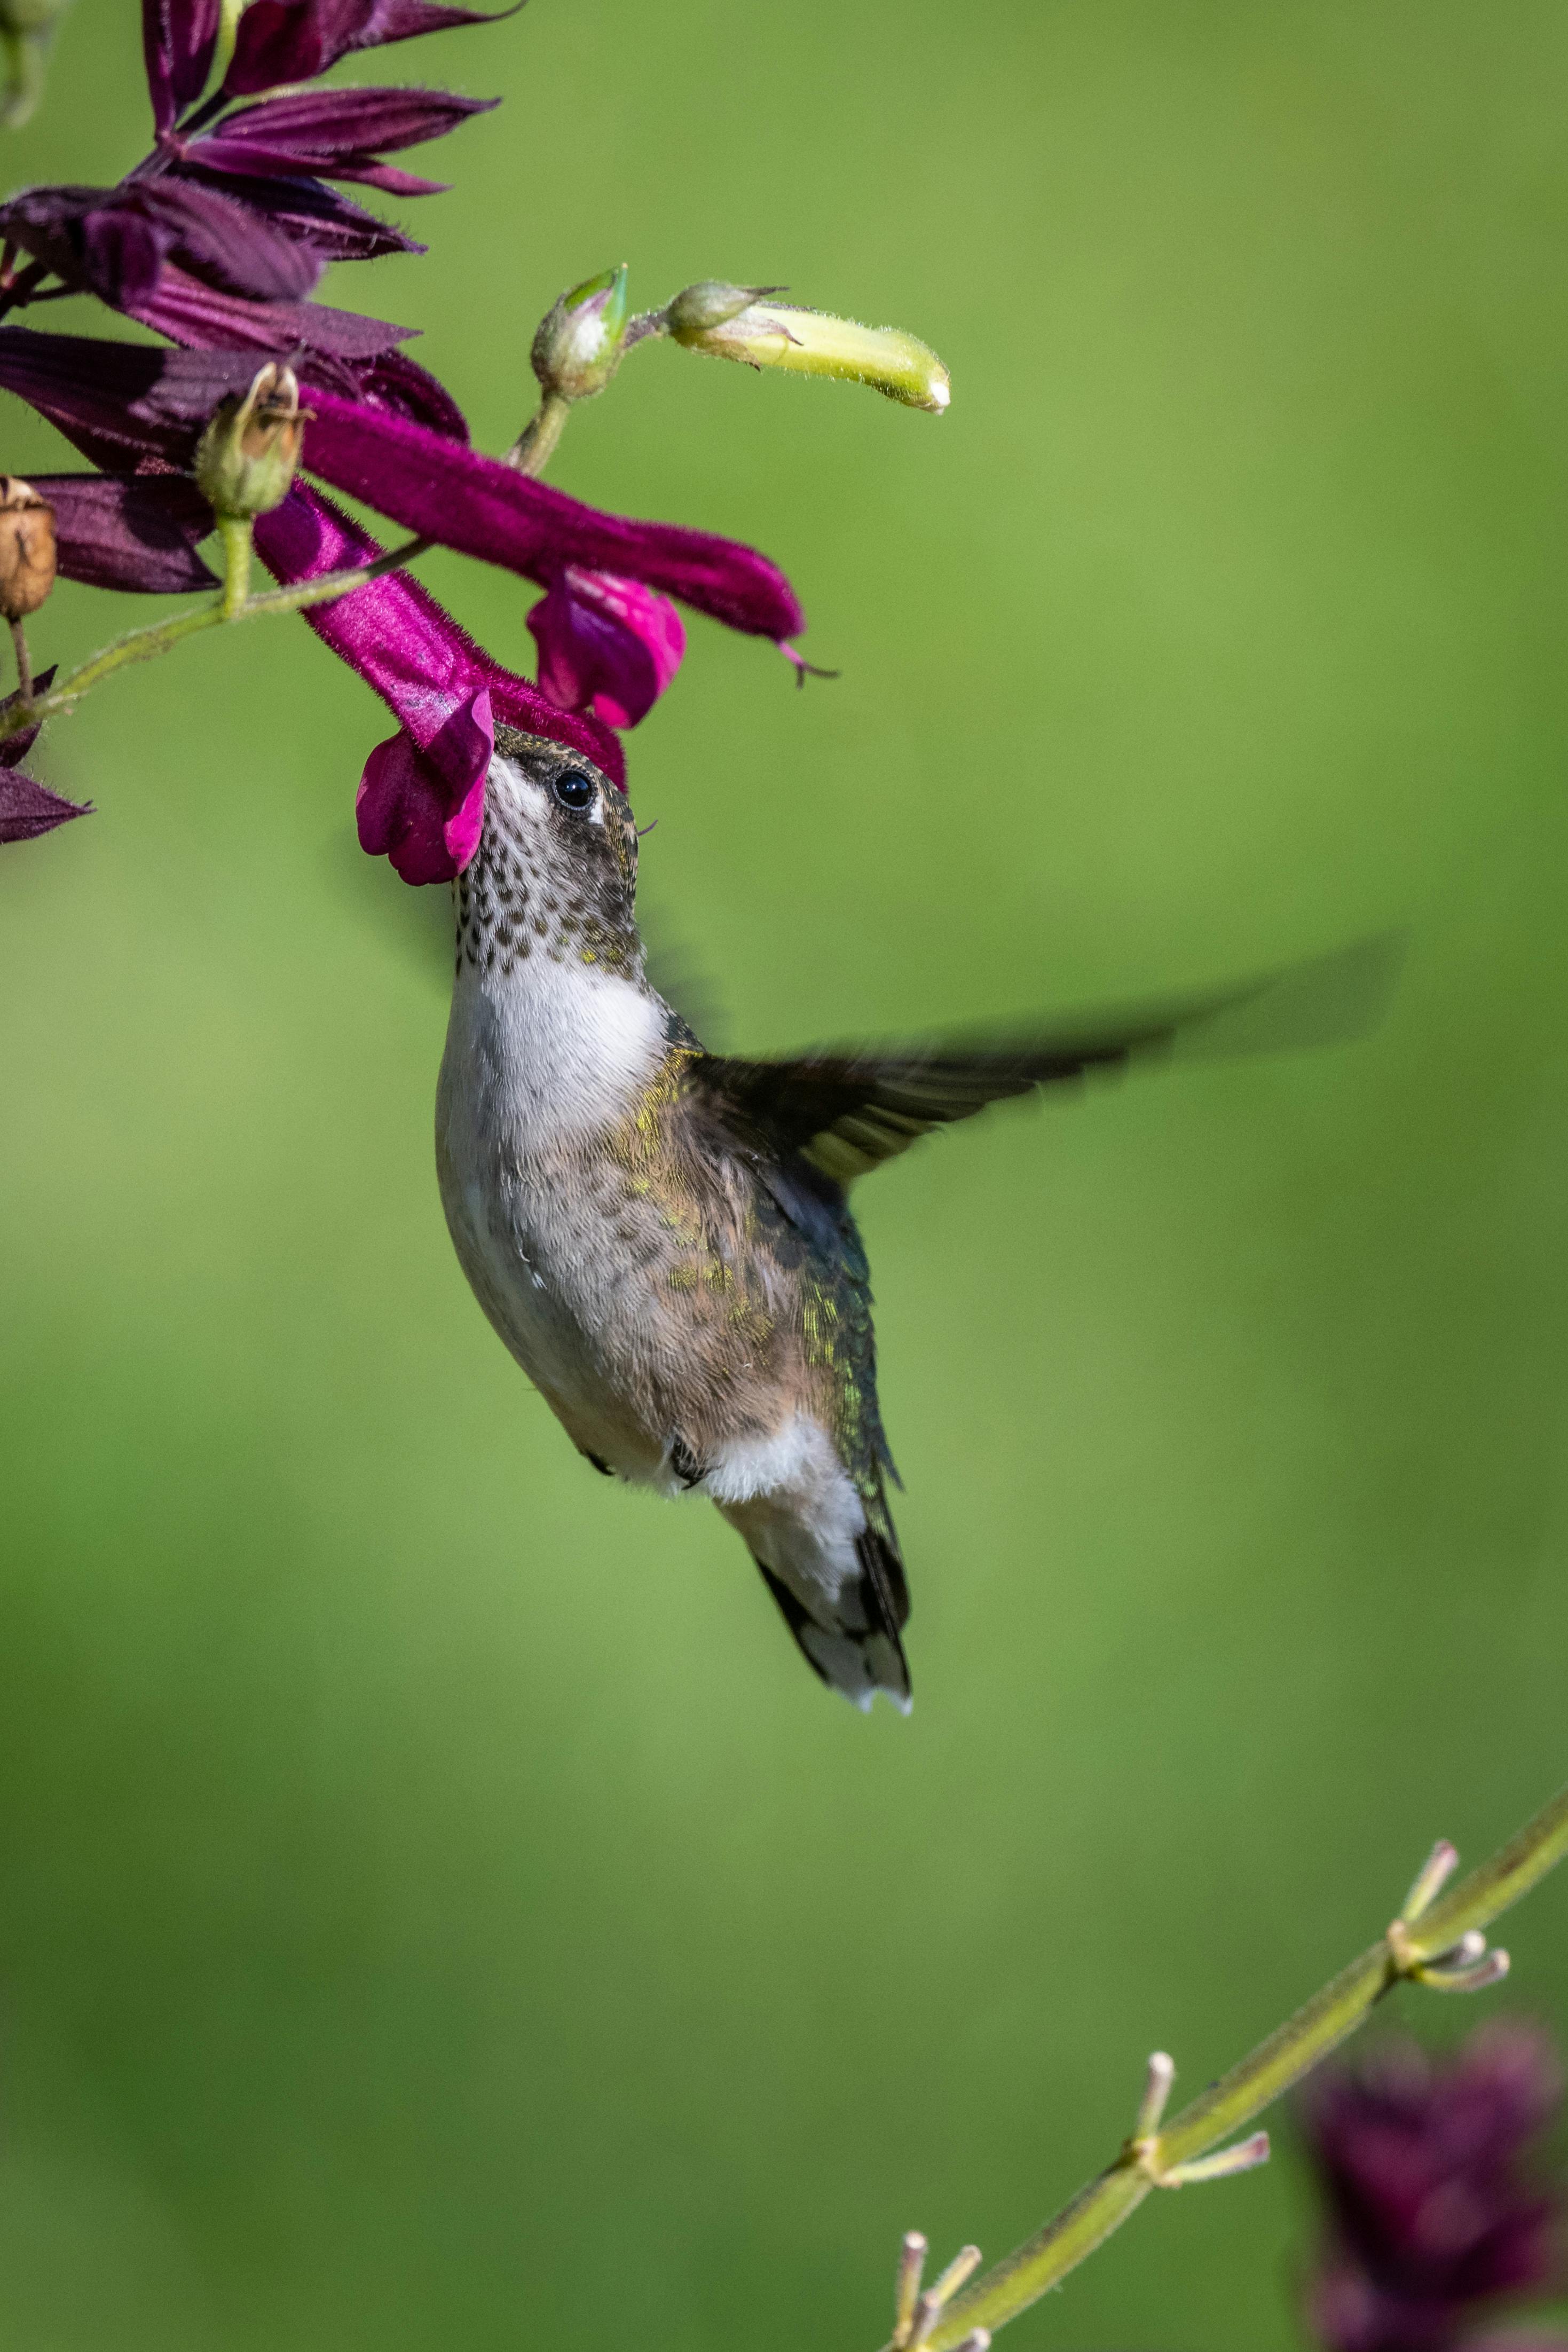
853,1643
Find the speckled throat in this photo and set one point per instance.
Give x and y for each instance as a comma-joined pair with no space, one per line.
545,883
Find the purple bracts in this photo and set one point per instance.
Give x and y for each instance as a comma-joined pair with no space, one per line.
1434,2214
136,532
295,40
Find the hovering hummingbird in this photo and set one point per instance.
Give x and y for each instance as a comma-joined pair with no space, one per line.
662,1236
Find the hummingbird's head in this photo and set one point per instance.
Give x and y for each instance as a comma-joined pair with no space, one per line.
555,874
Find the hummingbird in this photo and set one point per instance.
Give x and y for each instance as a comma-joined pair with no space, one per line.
662,1236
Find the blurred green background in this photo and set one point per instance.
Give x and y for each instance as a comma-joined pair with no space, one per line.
438,1908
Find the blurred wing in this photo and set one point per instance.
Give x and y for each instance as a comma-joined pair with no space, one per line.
847,1112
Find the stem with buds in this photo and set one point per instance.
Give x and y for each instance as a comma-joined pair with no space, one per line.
1438,1940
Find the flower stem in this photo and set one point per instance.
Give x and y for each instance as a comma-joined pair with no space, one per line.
1327,2019
234,530
534,446
23,662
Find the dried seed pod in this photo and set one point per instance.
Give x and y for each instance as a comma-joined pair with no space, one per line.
27,548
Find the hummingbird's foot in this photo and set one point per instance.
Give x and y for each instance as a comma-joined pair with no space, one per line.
916,2315
598,1460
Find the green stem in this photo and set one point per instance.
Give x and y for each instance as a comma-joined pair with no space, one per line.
234,530
224,47
1327,2019
146,644
534,446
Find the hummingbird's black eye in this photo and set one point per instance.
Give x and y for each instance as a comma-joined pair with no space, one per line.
573,789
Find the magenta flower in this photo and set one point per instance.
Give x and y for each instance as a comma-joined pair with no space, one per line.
1436,2214
421,798
606,645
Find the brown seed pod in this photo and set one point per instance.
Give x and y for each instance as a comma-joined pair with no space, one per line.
27,548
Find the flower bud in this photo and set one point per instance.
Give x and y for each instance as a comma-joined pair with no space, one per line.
27,548
246,457
580,342
716,318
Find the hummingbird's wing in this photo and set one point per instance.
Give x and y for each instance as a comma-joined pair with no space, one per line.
848,1111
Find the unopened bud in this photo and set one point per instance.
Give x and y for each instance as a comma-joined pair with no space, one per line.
246,457
809,342
580,342
27,548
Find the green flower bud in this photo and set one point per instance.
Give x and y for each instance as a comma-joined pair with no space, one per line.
26,27
580,343
246,457
727,322
27,548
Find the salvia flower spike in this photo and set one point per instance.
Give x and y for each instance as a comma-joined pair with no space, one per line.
810,343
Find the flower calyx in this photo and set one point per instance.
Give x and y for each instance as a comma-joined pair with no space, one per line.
247,457
27,550
581,339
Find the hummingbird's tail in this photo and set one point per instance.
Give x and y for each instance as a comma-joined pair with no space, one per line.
851,1636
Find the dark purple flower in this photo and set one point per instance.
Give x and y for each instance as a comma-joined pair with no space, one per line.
178,38
295,40
421,800
26,808
136,532
117,242
606,645
1434,2214
333,134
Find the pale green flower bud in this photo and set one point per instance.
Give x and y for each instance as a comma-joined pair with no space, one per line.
730,324
246,457
580,343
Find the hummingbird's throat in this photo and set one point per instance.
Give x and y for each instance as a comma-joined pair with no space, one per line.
544,883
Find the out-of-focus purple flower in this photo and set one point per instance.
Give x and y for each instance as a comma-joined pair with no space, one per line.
115,242
1434,2214
421,800
606,645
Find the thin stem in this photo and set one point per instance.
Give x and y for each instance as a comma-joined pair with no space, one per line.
234,530
1327,2019
534,446
146,644
23,662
